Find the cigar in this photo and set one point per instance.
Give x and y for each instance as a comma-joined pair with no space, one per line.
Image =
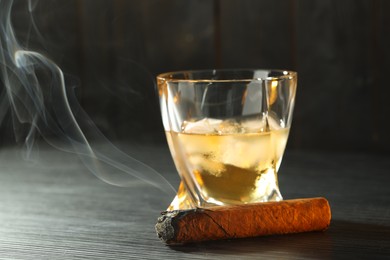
239,221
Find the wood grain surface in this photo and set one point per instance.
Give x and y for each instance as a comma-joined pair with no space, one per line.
54,208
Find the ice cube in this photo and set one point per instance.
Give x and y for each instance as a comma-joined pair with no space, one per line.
274,122
203,126
210,165
247,151
213,126
255,125
260,124
229,127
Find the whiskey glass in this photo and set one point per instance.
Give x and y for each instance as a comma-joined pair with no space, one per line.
227,131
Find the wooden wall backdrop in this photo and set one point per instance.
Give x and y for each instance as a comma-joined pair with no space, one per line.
112,49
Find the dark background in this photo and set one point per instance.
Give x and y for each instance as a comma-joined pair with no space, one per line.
113,49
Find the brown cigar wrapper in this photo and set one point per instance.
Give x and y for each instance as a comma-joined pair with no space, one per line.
249,220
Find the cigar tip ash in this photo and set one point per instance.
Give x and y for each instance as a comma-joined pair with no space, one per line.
249,220
165,230
166,226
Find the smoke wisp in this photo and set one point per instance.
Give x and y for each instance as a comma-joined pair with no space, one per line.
34,93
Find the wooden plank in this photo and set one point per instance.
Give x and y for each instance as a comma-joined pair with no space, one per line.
115,48
48,28
256,34
380,63
178,35
95,20
333,106
126,44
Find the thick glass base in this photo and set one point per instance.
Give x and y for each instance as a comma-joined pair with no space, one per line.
183,199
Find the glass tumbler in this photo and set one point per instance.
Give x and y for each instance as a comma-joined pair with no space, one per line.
227,131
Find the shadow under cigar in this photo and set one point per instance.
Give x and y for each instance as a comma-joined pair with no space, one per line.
341,238
292,244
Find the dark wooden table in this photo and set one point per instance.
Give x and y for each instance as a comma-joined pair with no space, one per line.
55,208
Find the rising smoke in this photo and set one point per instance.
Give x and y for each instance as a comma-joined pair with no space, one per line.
34,93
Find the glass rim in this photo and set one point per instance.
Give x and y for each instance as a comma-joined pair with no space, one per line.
172,76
